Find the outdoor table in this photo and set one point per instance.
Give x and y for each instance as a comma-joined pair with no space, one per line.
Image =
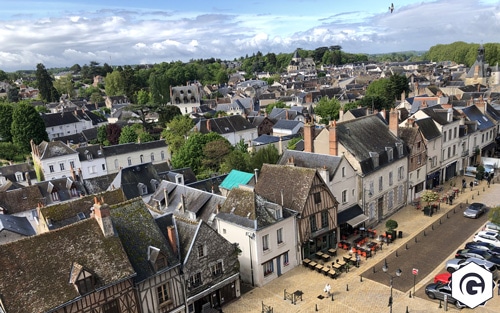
319,254
333,274
347,258
325,256
332,252
337,266
306,262
312,264
325,270
318,267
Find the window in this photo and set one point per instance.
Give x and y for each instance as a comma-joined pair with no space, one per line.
418,174
390,200
265,242
72,164
116,164
129,161
317,197
312,221
19,177
195,280
74,192
85,284
343,171
142,158
51,168
111,307
389,153
419,159
162,155
279,235
286,260
449,152
401,173
268,268
54,195
380,183
152,157
201,251
455,132
103,167
454,149
344,196
390,178
324,219
449,135
163,293
444,136
216,269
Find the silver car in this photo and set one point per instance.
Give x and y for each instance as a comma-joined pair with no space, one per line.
454,264
474,210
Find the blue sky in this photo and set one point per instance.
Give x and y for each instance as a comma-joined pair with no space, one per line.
62,33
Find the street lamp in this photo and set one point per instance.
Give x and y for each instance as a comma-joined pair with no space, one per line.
385,268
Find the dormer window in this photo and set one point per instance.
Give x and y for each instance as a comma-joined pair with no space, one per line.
374,157
154,184
88,155
82,279
143,189
156,258
399,146
390,154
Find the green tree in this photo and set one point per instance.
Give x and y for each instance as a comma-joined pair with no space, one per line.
328,109
128,134
3,76
9,151
45,84
190,153
214,153
237,160
267,154
144,136
13,94
6,110
167,113
494,215
27,125
113,134
277,104
114,84
429,196
293,143
96,98
101,135
65,85
177,132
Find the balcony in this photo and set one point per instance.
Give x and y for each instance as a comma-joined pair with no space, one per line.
465,153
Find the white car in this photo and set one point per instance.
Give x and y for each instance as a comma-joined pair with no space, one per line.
454,264
490,226
491,237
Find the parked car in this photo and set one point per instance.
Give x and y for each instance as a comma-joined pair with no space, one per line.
454,264
438,291
442,278
483,246
475,210
490,226
477,253
490,237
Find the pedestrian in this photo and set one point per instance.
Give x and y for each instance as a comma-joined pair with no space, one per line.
471,184
489,180
327,289
464,185
347,265
358,259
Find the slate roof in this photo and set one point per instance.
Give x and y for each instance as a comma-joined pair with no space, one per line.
267,139
474,114
293,182
63,188
236,178
38,280
137,231
364,135
210,184
225,125
20,200
311,160
92,150
439,114
16,224
287,124
65,213
187,173
99,184
9,171
245,208
57,119
127,148
132,176
53,149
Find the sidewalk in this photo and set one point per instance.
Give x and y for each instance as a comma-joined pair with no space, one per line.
352,293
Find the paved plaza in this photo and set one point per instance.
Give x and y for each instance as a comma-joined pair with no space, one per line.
356,292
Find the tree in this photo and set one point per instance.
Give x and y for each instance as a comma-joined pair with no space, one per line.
191,154
277,104
236,160
114,84
27,125
6,111
96,97
76,68
429,196
391,225
214,153
267,154
144,136
177,132
167,113
127,135
113,133
45,84
494,215
65,85
328,109
293,143
101,135
13,94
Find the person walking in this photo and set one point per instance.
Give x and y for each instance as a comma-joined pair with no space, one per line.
327,289
471,184
358,259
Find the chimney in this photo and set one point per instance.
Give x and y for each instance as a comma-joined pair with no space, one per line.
286,114
280,146
323,172
308,137
72,171
393,122
383,113
449,115
103,217
341,114
27,177
411,121
165,195
172,239
183,203
481,105
332,138
256,174
209,128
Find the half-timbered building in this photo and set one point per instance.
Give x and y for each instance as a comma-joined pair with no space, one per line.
303,191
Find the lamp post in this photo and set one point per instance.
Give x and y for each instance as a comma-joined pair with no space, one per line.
385,268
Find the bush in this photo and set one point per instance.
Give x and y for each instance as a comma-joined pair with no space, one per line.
391,225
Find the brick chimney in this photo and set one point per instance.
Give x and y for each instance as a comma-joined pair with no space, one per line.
172,238
332,138
103,216
393,122
309,137
209,127
286,115
481,105
410,121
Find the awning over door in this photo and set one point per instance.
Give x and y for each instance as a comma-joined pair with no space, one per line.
352,216
357,220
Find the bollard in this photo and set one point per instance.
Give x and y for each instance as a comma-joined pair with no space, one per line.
397,254
316,307
425,233
406,247
447,216
332,296
466,201
483,188
478,192
407,310
416,239
410,294
440,221
472,197
347,287
432,226
361,278
284,294
373,269
440,306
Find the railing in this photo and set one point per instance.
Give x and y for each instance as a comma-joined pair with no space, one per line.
465,153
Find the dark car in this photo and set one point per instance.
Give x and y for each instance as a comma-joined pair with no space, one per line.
477,253
474,210
438,291
483,246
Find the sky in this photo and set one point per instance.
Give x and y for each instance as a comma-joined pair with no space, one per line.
119,32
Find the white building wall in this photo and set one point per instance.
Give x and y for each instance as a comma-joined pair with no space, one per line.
59,167
115,162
